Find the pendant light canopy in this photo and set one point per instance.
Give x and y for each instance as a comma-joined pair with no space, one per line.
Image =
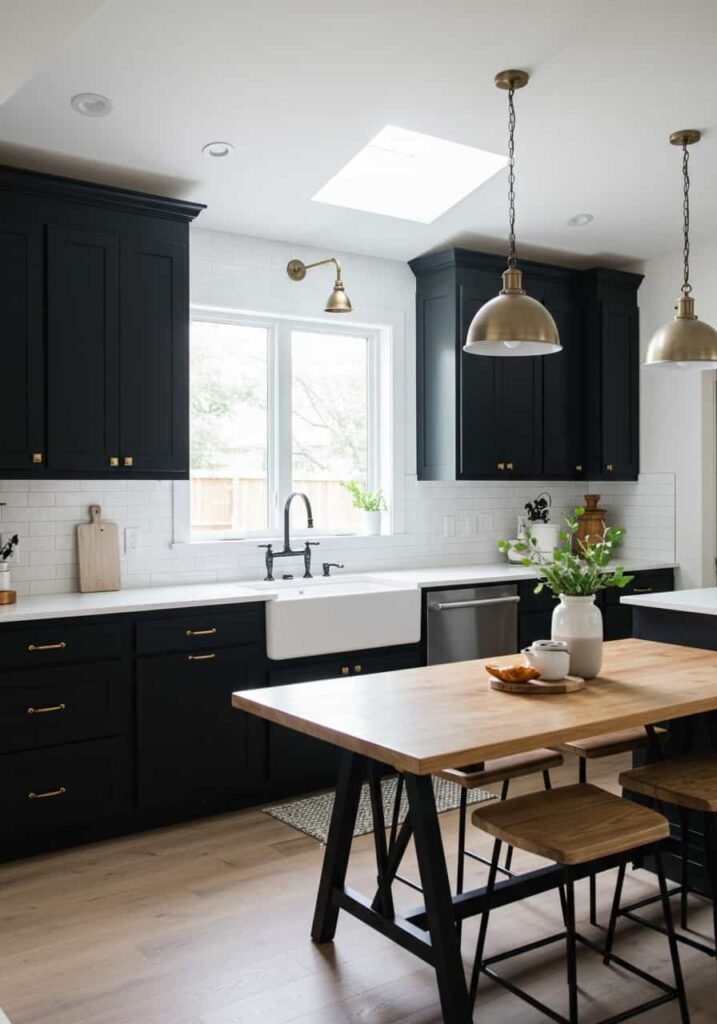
512,324
685,343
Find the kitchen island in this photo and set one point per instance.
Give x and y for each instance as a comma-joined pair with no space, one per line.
678,617
422,720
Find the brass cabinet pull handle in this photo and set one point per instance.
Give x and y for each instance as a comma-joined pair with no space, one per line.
200,657
47,647
345,670
200,632
37,458
358,669
642,590
50,792
45,710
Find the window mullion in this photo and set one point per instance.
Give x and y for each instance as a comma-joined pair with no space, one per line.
282,417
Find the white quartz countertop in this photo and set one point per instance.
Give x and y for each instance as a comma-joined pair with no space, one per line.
144,599
148,599
699,602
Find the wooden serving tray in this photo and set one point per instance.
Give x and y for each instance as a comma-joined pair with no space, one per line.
537,686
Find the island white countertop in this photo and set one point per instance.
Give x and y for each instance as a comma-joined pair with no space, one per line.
699,602
149,599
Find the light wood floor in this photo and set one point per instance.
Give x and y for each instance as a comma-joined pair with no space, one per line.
208,923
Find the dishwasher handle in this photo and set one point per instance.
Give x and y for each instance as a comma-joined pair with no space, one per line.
440,606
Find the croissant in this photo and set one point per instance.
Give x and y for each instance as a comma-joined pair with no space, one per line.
513,673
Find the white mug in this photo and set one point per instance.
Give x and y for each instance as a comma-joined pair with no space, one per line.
552,663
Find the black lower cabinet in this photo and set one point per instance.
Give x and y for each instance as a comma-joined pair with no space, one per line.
192,745
299,763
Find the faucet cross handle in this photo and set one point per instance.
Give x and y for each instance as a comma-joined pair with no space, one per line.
307,557
269,562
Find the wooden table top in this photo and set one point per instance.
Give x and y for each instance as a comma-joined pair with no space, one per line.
443,716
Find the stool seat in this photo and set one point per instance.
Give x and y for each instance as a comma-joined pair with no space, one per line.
503,768
573,824
608,743
689,781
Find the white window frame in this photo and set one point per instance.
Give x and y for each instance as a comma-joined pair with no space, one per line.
381,397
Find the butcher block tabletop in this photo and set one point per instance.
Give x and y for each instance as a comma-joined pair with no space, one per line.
422,720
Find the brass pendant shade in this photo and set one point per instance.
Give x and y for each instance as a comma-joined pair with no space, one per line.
512,324
685,343
338,301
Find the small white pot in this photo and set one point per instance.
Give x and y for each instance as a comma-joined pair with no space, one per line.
578,621
371,523
546,537
5,576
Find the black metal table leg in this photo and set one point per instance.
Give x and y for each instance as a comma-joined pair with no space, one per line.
440,917
338,846
710,833
379,838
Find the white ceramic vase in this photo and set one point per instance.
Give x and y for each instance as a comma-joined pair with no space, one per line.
5,576
578,621
371,523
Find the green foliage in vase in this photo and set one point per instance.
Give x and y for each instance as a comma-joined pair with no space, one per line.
579,568
367,501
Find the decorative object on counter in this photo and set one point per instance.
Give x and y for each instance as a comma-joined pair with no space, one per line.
98,554
544,532
370,503
338,301
591,523
512,324
550,657
513,673
575,577
685,343
7,594
539,687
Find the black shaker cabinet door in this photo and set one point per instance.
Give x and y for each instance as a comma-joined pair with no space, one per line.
619,408
154,359
82,349
22,418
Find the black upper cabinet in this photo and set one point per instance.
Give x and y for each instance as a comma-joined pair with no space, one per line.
525,418
611,325
22,426
95,294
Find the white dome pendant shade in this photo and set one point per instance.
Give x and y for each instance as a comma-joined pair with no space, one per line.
512,324
685,343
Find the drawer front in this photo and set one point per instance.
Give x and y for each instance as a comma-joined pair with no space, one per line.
201,629
42,790
643,583
39,646
61,705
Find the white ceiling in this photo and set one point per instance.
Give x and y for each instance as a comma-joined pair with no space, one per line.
300,87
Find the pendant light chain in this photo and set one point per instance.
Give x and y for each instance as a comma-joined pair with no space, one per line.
512,258
686,286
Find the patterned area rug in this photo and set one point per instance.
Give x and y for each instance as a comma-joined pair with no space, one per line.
312,814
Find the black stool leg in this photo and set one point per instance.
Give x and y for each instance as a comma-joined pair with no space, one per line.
509,854
462,812
684,864
582,779
672,939
610,939
710,832
571,948
483,930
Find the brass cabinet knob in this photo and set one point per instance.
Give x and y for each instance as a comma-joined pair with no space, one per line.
358,669
37,458
501,465
608,467
345,670
509,465
127,461
579,468
114,461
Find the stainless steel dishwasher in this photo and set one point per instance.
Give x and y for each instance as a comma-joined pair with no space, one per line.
471,622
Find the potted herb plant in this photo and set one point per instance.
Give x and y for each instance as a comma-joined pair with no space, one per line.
574,573
370,503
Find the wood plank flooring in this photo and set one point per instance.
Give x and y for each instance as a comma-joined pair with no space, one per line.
208,923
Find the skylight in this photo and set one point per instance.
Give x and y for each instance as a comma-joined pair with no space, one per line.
410,175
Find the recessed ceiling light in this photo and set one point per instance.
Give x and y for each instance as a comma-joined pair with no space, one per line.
218,149
91,104
407,174
580,220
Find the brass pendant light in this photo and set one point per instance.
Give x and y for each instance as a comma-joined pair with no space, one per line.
512,324
685,343
338,301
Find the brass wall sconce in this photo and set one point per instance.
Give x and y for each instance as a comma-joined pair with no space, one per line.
338,301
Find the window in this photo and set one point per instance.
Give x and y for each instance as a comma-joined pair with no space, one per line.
280,406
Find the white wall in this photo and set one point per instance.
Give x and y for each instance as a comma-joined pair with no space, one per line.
678,413
248,274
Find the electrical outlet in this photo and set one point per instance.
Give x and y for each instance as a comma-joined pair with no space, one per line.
449,526
485,522
131,539
469,526
16,555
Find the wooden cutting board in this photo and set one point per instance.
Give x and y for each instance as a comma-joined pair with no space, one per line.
570,684
98,554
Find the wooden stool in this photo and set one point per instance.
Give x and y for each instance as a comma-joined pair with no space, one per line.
594,747
578,827
503,770
690,784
